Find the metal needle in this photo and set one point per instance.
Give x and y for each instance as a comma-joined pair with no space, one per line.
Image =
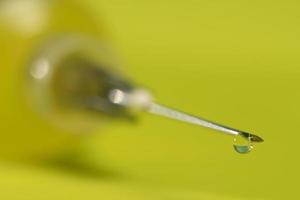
161,110
141,100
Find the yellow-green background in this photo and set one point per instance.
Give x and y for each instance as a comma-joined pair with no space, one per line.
236,62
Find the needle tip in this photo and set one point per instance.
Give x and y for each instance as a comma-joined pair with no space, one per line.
252,137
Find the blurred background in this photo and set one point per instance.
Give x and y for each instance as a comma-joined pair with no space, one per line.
235,62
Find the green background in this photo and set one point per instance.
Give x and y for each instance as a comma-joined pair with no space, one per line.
235,62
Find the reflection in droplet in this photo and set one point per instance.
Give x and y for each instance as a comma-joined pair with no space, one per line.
242,149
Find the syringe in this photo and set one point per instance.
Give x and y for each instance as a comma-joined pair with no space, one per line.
80,84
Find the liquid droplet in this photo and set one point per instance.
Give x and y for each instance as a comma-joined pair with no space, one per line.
242,145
